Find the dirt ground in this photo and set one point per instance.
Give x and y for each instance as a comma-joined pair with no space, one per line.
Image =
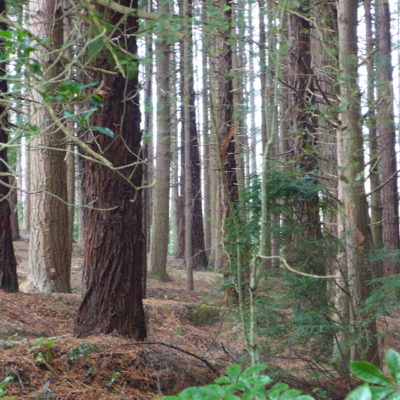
191,340
38,349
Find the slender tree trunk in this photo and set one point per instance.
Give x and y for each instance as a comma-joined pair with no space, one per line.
351,167
160,232
376,196
189,122
49,253
8,264
387,139
115,244
206,140
13,199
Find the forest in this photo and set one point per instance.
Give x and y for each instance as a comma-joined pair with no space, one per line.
199,191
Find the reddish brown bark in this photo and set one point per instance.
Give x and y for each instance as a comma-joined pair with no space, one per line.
387,136
8,264
114,241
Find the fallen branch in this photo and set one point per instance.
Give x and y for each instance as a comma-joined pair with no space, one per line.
189,353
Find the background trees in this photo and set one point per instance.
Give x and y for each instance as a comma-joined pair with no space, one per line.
287,82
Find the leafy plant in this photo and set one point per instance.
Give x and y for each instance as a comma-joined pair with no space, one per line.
84,350
378,385
246,385
3,384
42,350
115,378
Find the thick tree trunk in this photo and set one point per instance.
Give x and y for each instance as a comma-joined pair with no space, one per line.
50,257
351,167
115,244
387,139
160,231
8,264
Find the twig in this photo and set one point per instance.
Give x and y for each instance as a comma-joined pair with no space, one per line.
178,349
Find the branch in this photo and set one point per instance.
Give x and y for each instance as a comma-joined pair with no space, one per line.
213,369
287,266
153,16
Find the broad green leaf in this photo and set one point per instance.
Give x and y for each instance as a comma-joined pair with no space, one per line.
361,393
254,370
392,361
233,371
394,396
106,131
304,397
259,380
369,373
379,392
276,390
222,379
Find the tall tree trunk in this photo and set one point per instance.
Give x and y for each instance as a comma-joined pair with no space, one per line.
189,122
115,244
226,127
351,167
8,264
387,139
303,124
376,196
50,258
160,232
206,139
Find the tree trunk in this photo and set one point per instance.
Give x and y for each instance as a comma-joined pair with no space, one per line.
189,122
206,140
160,232
387,140
115,244
351,167
376,196
8,264
50,258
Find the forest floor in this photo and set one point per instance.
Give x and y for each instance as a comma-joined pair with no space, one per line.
37,346
38,349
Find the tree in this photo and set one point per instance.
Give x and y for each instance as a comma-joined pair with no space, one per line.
49,252
354,224
193,164
387,137
8,263
114,240
160,228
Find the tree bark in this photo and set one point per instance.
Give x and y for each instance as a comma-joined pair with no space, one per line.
50,257
355,217
115,243
160,232
8,263
376,196
387,140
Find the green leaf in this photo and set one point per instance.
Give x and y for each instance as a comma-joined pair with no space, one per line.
361,393
254,370
392,361
304,397
233,371
106,131
379,392
222,380
369,373
290,394
394,396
